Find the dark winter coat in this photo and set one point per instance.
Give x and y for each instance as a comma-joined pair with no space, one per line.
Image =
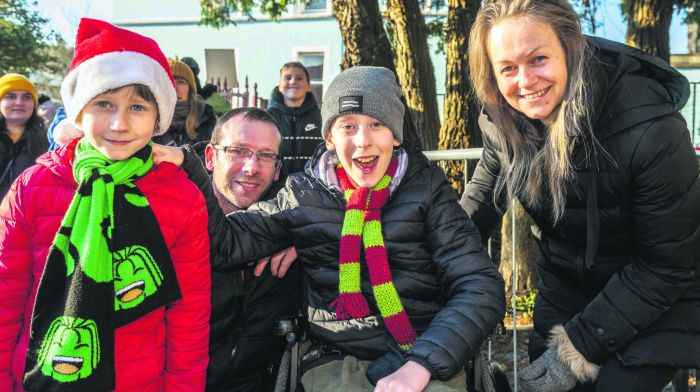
641,298
244,311
300,128
14,159
449,288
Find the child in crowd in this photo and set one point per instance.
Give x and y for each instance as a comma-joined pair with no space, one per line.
400,290
104,256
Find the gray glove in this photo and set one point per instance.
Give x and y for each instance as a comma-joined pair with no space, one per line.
547,374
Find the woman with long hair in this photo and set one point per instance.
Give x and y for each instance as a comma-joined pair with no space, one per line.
194,120
586,134
22,132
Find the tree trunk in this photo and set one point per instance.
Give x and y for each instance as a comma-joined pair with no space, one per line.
460,128
526,251
366,43
363,34
648,25
415,68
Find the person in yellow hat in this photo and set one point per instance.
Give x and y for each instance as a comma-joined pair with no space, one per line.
22,133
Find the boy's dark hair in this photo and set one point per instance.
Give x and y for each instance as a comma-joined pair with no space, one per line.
296,64
250,114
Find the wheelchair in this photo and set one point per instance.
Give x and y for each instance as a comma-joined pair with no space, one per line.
482,376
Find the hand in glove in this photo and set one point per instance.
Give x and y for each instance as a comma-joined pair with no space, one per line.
547,374
559,368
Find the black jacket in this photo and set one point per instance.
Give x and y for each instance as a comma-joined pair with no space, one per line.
14,159
300,128
244,311
641,297
451,291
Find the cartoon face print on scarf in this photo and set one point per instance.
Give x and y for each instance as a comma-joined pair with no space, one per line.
71,349
136,276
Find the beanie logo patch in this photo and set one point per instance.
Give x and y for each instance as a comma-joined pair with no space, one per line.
350,104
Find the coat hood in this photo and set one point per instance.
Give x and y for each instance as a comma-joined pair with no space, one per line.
632,87
277,102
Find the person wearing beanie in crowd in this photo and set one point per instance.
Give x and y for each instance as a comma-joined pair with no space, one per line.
298,117
212,98
104,255
400,291
193,120
208,92
22,132
190,62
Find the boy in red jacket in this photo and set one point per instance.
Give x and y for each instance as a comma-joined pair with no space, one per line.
104,256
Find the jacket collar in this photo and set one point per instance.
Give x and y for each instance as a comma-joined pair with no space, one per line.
277,102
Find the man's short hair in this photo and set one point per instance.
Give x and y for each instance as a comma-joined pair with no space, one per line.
296,64
250,114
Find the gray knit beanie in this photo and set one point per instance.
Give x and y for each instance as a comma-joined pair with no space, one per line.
365,90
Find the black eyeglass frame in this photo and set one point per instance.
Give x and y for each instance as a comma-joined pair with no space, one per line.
266,155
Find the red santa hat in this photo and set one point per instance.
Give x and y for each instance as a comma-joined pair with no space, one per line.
107,57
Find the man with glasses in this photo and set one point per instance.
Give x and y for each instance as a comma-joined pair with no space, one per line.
243,156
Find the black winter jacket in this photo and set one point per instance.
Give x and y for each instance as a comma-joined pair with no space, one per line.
244,309
641,298
453,294
14,159
300,128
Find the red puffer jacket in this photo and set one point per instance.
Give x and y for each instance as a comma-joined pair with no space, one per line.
163,350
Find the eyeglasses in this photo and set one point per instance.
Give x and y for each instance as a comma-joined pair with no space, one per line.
240,154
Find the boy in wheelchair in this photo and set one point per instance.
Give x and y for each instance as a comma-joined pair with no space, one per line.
400,292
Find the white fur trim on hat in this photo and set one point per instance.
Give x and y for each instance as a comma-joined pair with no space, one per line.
117,69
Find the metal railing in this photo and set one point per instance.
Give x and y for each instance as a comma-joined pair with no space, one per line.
465,155
691,113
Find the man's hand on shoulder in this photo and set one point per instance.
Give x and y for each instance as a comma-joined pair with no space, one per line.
279,263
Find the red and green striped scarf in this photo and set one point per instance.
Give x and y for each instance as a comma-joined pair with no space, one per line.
362,226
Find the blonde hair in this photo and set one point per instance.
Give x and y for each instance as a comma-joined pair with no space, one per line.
192,119
531,159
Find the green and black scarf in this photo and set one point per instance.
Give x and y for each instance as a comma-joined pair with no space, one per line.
109,265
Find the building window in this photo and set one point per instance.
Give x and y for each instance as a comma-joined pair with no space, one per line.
313,61
315,6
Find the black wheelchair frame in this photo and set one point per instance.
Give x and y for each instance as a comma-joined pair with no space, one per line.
482,376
